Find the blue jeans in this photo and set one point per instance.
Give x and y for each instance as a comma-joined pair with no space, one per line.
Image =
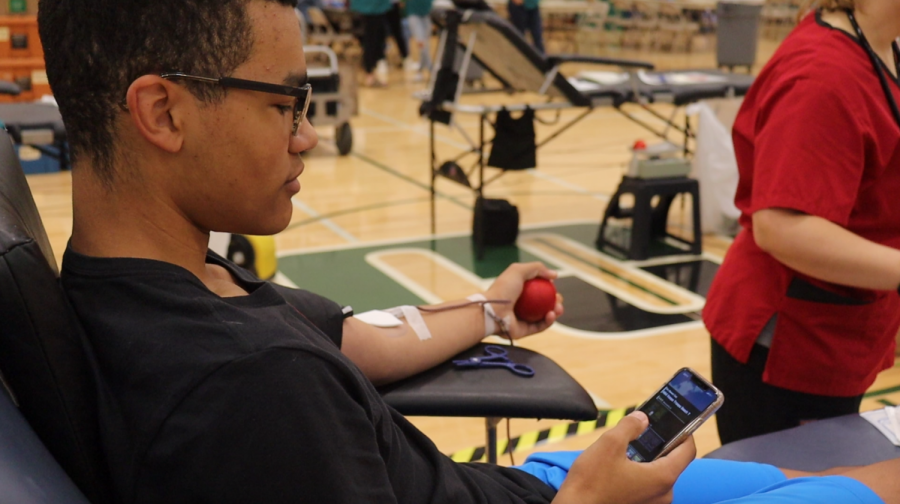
528,20
708,481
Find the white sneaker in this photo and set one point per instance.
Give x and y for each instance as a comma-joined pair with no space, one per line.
381,71
411,66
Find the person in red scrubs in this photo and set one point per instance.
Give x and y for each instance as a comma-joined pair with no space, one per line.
804,310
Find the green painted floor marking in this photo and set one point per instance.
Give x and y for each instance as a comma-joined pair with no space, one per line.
886,402
344,275
874,393
385,168
610,273
339,213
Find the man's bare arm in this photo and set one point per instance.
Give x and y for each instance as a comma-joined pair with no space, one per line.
386,355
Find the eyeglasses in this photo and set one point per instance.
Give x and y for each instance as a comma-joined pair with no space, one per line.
301,94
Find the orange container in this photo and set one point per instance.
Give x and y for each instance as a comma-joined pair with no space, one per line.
19,37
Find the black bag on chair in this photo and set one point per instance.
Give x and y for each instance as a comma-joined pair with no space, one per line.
496,222
514,146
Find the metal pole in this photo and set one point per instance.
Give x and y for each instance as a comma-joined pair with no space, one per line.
491,445
433,177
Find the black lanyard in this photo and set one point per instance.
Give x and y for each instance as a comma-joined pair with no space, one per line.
876,62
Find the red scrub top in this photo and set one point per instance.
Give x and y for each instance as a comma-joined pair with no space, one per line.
815,134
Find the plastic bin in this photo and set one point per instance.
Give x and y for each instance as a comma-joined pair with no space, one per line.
738,33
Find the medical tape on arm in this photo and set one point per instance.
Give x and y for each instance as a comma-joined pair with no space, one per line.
413,318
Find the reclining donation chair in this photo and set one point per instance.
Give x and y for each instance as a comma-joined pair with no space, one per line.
44,360
41,354
494,44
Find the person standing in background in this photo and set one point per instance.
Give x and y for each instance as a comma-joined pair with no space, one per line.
419,17
375,21
395,25
525,15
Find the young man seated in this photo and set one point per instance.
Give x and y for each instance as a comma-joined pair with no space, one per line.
187,116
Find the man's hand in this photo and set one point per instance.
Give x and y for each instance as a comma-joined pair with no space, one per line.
604,475
509,286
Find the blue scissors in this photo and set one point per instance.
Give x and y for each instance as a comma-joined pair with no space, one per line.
495,356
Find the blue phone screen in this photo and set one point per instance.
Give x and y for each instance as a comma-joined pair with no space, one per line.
682,400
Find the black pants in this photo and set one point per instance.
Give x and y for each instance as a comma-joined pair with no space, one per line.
395,24
528,20
752,407
374,33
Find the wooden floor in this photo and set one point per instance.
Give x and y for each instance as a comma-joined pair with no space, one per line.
380,192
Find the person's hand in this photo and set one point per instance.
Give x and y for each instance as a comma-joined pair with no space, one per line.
509,286
603,474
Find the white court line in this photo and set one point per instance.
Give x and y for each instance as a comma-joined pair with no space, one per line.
692,304
422,132
324,220
374,259
419,130
282,280
425,237
568,185
628,335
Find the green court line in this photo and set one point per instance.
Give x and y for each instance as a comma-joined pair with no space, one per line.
347,211
610,273
409,179
886,402
874,393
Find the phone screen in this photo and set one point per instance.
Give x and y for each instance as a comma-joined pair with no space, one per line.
679,402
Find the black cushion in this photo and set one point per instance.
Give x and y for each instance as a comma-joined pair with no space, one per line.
843,441
41,347
19,117
447,390
28,473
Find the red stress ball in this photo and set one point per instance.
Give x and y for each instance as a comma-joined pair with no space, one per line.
538,298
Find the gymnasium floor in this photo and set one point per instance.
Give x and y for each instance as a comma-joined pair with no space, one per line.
364,218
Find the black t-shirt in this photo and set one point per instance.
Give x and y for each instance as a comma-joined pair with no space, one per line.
249,399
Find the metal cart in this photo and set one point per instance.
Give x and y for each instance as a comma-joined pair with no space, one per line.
334,98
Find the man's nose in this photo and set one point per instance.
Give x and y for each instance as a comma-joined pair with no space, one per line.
305,139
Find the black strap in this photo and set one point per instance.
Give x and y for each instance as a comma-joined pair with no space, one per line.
877,64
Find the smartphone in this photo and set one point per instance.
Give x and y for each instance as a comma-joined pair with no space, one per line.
675,411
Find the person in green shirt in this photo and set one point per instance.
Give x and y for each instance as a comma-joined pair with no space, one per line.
525,15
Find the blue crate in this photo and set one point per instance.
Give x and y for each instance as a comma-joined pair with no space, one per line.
34,161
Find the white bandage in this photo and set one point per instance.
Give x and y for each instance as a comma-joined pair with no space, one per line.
491,320
379,318
413,318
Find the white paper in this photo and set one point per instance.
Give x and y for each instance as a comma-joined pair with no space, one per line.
884,420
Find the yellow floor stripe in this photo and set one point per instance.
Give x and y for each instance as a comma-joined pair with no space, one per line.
614,417
528,440
557,433
501,445
587,427
463,455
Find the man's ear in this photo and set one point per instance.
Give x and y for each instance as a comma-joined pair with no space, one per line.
156,108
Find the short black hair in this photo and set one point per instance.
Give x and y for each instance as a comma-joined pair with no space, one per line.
95,49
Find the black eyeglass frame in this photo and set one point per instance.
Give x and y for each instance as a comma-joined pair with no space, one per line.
303,93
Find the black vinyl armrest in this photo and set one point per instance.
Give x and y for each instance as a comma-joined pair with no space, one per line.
558,59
